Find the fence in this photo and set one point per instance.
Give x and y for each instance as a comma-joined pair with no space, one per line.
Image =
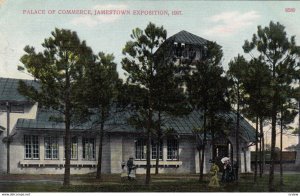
287,156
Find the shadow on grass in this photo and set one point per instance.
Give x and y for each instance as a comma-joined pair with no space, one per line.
159,183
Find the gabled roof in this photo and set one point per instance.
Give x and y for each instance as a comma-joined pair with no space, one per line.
9,90
187,38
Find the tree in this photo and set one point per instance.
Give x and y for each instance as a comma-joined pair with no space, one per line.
288,112
257,83
207,88
169,99
101,84
236,74
139,63
277,51
58,69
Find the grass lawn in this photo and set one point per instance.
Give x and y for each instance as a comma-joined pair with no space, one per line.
160,183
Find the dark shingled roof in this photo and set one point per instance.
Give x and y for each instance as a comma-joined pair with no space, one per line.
9,90
187,38
185,125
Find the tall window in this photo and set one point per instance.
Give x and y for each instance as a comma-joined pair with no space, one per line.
74,148
154,150
172,145
88,145
32,150
51,148
140,149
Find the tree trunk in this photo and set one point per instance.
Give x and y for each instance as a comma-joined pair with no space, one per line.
263,152
212,137
203,148
68,132
99,165
260,148
281,169
159,134
8,108
272,159
273,153
273,132
148,158
237,145
256,150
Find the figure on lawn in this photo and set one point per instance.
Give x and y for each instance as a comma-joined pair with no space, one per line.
124,174
131,169
228,172
214,169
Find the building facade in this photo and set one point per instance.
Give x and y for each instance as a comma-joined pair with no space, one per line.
31,143
35,145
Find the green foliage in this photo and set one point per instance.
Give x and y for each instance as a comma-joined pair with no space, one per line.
59,70
206,85
101,86
257,90
152,77
280,54
160,89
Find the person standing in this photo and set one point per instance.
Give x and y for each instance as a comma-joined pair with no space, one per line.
129,166
214,181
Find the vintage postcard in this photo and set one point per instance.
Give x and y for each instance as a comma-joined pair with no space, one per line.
149,96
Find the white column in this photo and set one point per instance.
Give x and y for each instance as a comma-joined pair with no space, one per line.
165,150
197,169
42,147
116,154
248,157
79,148
61,149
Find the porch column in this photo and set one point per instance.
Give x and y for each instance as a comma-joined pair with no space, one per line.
245,157
116,154
207,157
165,150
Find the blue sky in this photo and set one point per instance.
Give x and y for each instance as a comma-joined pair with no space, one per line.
228,23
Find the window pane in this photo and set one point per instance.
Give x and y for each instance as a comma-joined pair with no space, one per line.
154,149
51,148
31,144
88,148
140,149
172,146
74,146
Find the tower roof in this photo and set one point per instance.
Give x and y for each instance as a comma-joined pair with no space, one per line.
187,38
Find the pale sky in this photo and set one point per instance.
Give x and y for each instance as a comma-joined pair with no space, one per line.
228,23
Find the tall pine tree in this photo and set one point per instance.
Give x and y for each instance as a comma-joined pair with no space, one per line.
57,69
276,50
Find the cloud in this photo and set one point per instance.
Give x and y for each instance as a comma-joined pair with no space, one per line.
94,20
10,52
2,2
229,23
